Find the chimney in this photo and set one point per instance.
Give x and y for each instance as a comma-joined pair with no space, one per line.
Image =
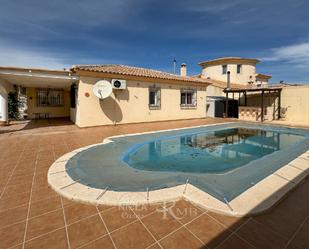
228,86
183,69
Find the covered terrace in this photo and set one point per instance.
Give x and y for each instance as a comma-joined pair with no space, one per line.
251,102
32,79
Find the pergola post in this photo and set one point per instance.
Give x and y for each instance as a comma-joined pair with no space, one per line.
245,93
227,105
274,111
279,104
262,106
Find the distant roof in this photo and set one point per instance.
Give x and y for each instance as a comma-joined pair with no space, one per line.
138,72
255,88
222,60
221,84
36,70
260,75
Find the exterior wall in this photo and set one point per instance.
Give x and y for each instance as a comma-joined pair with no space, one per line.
253,109
131,105
5,88
255,100
213,91
295,104
215,72
54,112
254,113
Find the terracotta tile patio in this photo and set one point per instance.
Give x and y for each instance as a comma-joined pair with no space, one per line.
33,216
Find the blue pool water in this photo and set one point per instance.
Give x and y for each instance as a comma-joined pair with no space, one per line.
223,160
208,152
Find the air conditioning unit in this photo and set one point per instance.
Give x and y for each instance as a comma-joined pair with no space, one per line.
119,84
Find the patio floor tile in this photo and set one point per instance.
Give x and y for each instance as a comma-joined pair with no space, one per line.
12,235
133,236
17,188
42,193
85,231
78,211
261,236
104,207
44,224
14,200
118,217
208,230
53,240
301,239
154,246
234,242
185,211
230,222
144,210
44,206
49,139
181,239
280,218
160,224
104,243
13,215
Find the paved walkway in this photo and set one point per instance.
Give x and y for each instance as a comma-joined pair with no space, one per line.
33,216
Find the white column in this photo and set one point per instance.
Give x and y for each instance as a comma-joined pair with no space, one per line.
3,107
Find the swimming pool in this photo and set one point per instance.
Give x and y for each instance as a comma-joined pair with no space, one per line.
223,160
208,152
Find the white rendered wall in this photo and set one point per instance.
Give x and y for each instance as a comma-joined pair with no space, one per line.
3,102
215,72
3,107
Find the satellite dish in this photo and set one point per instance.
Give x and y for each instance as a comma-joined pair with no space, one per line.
102,89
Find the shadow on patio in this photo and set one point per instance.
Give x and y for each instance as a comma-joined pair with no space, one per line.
285,225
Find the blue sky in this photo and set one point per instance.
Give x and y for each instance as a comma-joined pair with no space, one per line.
150,33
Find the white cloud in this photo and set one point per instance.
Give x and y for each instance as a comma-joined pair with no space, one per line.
25,57
297,54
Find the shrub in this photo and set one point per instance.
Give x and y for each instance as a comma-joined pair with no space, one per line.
13,105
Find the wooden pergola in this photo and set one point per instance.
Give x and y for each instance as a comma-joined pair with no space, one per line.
260,90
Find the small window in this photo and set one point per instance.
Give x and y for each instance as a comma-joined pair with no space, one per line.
224,69
154,97
239,67
188,98
49,97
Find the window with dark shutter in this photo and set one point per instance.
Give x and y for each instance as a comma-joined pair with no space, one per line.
154,97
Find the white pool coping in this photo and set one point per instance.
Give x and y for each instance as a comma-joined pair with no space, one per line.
254,200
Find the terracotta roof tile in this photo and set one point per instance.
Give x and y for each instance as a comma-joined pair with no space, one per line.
219,83
139,72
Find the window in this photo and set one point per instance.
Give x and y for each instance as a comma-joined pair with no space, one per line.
154,97
239,66
49,97
188,98
224,69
